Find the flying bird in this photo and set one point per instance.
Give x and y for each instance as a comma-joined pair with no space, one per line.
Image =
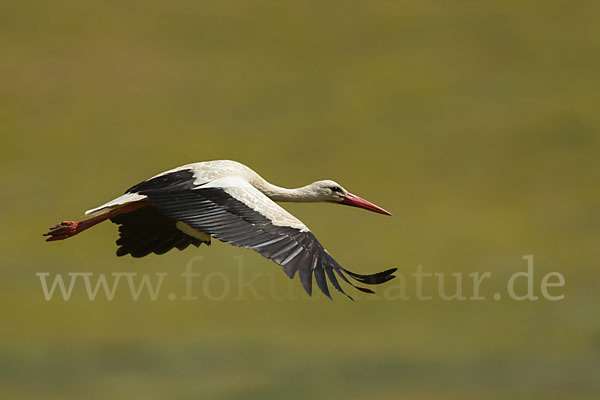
228,201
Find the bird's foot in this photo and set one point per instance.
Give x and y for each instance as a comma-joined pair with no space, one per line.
61,231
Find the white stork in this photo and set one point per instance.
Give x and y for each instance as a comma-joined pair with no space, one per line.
232,203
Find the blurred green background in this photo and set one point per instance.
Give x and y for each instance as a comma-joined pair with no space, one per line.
475,123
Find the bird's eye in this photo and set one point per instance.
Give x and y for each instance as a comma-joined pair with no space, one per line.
336,189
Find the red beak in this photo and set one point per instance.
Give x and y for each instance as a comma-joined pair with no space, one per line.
355,201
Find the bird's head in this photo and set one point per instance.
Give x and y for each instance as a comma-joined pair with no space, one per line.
333,192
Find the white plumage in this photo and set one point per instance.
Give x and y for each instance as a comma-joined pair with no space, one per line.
230,202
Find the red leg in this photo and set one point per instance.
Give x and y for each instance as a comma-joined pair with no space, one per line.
66,229
62,231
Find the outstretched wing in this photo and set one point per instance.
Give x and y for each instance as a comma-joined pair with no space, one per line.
233,211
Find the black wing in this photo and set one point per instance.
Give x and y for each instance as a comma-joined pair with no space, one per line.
215,211
146,230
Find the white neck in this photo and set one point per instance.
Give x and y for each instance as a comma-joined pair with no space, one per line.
303,194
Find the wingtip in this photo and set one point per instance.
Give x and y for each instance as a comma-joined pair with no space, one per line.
373,279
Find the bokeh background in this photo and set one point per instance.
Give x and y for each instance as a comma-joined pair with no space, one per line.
475,123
